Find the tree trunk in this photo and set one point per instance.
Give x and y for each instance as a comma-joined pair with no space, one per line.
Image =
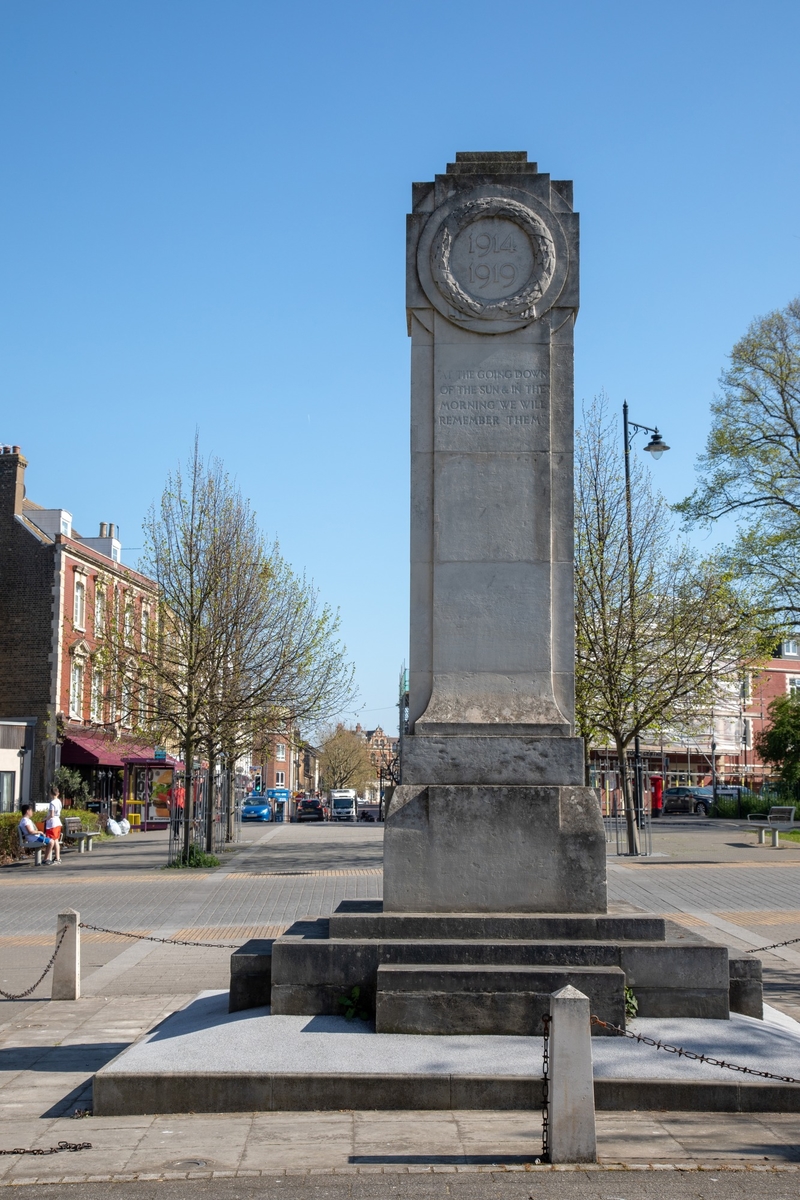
627,796
231,780
210,802
188,794
587,763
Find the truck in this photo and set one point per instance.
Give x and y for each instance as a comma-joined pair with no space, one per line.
342,804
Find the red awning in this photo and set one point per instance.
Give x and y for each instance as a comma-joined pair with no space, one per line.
101,750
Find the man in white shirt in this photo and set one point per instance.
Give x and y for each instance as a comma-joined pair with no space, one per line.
34,839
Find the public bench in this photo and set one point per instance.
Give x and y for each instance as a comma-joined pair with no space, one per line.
779,817
36,851
74,832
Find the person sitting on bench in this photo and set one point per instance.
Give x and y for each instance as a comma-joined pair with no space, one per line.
33,839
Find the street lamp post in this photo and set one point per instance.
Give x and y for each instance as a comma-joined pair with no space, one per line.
656,446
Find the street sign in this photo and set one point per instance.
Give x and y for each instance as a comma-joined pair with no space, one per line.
160,754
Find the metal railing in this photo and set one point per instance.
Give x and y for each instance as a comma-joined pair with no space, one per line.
207,831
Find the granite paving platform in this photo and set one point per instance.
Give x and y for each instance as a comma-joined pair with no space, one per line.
204,1059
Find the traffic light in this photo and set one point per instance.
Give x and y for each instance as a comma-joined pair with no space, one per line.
257,784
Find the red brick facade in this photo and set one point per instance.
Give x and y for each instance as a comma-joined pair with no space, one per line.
51,622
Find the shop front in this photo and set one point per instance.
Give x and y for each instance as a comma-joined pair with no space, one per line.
125,778
149,792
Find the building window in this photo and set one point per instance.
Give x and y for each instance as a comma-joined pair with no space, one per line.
65,526
79,611
7,782
793,685
280,778
129,622
76,690
99,611
791,648
127,700
143,704
280,752
145,628
97,696
115,553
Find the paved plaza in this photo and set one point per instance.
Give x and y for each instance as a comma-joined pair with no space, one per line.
710,876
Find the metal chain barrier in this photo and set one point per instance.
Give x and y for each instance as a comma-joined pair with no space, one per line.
70,1146
146,937
545,1091
701,1058
33,987
774,946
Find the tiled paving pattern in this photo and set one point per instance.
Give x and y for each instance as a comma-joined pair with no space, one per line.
710,878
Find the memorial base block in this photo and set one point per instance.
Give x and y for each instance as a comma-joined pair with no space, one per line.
482,848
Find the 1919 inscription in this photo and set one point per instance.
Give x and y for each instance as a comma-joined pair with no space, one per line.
492,257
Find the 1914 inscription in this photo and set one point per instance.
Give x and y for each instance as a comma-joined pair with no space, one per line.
492,258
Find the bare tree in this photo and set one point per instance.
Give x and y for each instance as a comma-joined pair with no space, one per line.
345,760
658,631
238,638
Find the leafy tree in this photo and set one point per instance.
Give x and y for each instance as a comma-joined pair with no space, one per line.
72,785
344,759
656,632
780,743
751,466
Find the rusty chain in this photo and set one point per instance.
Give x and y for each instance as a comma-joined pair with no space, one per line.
545,1091
774,946
71,1146
701,1058
146,937
33,987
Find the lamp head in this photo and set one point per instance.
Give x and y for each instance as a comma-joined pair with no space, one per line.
656,446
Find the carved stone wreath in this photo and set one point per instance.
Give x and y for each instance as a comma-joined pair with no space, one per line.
523,303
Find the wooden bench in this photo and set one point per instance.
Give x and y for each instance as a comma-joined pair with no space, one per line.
779,817
74,832
36,851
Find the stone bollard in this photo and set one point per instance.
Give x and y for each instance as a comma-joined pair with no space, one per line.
570,1108
67,967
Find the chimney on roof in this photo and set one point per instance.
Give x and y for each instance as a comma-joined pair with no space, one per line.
103,529
112,531
12,481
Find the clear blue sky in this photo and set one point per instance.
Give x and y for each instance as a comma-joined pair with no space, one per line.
203,210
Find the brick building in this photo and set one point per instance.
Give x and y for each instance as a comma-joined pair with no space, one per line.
383,747
285,760
58,591
724,741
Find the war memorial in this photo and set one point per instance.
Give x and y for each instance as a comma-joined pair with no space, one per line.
494,854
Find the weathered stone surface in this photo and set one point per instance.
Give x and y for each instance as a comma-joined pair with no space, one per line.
493,760
441,999
570,1101
67,968
494,849
746,988
668,979
251,975
366,919
492,295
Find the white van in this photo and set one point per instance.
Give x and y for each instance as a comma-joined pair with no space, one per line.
343,804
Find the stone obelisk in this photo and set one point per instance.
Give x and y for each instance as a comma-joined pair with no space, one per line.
492,814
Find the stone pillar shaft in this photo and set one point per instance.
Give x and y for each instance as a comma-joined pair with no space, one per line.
492,297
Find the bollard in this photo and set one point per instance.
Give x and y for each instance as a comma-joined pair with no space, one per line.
67,967
570,1106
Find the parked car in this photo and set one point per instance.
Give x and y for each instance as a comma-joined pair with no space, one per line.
310,810
256,808
688,800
